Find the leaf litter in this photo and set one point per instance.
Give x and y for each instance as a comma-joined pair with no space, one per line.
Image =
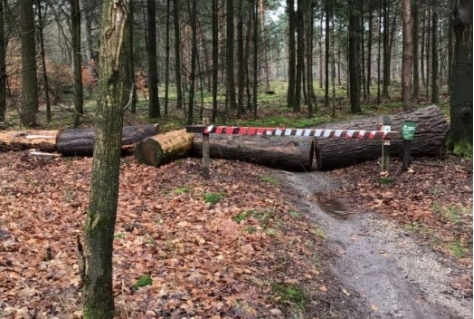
207,259
198,261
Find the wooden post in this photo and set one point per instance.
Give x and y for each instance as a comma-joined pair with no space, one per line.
205,150
386,145
406,155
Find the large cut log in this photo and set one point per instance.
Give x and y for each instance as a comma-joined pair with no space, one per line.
429,139
163,148
44,141
290,153
81,141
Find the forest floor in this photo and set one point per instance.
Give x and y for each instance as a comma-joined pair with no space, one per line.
251,242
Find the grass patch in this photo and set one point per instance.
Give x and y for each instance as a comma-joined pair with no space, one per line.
282,121
262,216
452,213
291,294
212,198
250,229
272,232
417,227
386,180
458,249
182,190
119,236
294,214
319,233
142,281
270,179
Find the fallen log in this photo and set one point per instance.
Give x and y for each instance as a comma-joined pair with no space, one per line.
163,148
81,141
429,139
44,141
290,153
78,141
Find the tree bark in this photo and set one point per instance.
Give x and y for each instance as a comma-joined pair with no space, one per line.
291,92
153,102
81,141
461,81
29,92
164,148
177,55
354,61
407,61
434,55
77,61
3,67
295,154
299,56
230,54
429,139
416,76
98,298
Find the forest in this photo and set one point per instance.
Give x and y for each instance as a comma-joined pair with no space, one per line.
336,222
221,58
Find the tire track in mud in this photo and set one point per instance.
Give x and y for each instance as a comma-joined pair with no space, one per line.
394,276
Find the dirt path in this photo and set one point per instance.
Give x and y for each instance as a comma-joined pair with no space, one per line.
392,275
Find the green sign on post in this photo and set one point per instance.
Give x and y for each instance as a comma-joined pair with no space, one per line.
408,130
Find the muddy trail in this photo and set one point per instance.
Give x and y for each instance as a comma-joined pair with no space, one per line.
381,270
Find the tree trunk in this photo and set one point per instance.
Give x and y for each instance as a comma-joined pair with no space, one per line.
44,141
295,154
434,55
240,60
290,95
153,102
215,57
309,57
81,141
98,297
299,56
369,49
3,67
461,81
43,57
327,53
70,142
386,49
29,92
354,61
416,68
255,61
265,44
167,57
230,54
407,61
192,80
428,141
164,148
130,58
77,61
177,55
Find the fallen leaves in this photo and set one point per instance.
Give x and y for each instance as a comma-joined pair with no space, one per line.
199,260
